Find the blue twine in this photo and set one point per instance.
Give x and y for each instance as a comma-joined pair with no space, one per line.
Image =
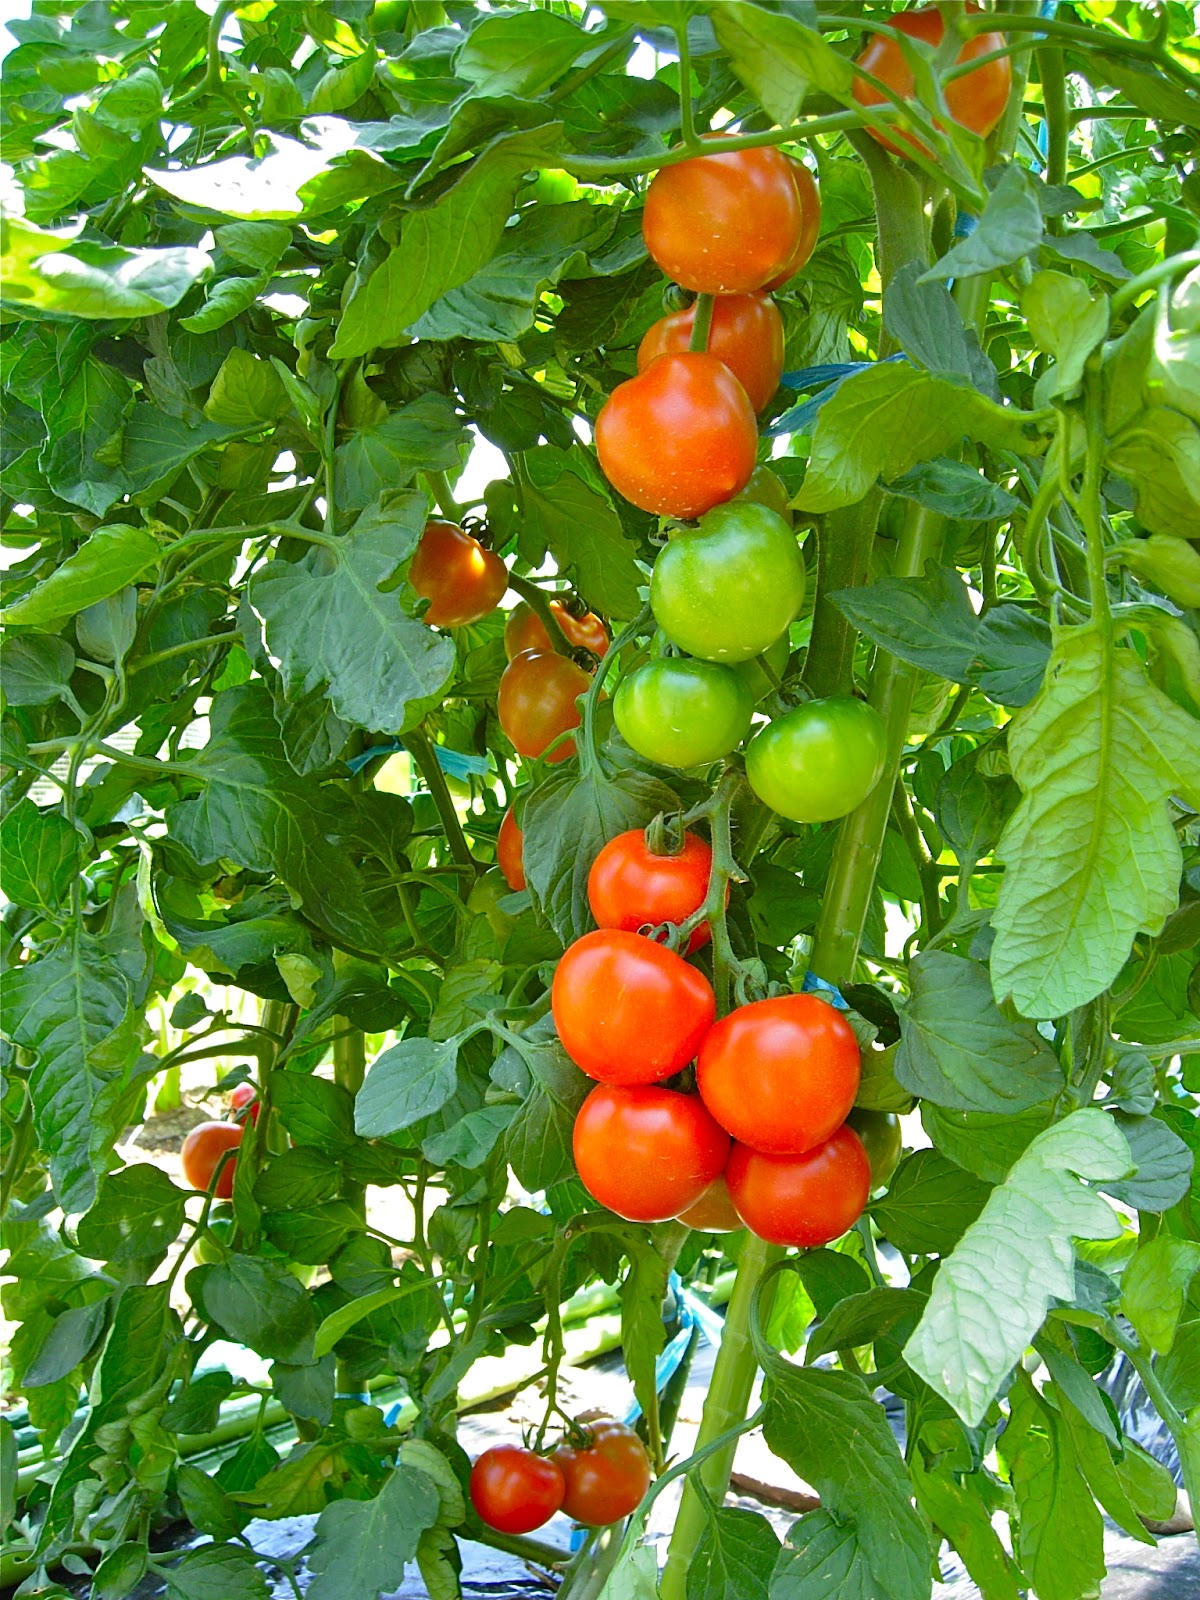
452,762
833,374
361,1395
827,991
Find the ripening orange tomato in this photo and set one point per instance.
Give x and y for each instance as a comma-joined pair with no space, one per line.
746,334
525,630
202,1151
461,580
810,204
537,701
509,843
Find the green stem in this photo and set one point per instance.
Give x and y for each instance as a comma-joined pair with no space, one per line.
349,1070
1182,1429
1172,267
568,86
843,551
534,595
687,120
1089,507
702,324
1058,127
587,743
421,749
443,494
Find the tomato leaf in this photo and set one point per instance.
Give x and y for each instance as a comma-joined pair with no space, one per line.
361,1547
409,1081
39,853
1009,228
138,1213
929,1204
106,561
822,1559
735,1558
778,58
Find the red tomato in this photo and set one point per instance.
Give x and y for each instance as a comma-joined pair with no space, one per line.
514,1490
714,1211
243,1095
536,702
627,1010
630,887
976,100
810,204
525,630
725,223
647,1153
203,1148
461,580
679,438
746,334
780,1075
801,1200
605,1478
508,851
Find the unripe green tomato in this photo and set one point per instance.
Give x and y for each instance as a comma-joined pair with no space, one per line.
881,1139
683,713
1171,564
760,682
766,488
727,589
483,901
552,185
214,1244
819,761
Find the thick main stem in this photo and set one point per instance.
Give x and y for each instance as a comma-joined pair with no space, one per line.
349,1070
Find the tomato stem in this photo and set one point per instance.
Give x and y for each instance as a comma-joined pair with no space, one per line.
349,1070
687,119
421,749
587,733
534,595
702,323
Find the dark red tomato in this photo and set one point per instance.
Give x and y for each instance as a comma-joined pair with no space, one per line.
514,1490
810,205
780,1075
881,1138
461,580
724,223
607,1477
679,438
801,1200
525,630
975,101
537,702
508,851
647,1153
243,1095
627,1010
630,887
714,1211
746,334
203,1149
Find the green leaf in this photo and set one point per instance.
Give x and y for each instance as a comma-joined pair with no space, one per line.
1159,453
929,1204
1153,1287
537,1143
735,1557
260,1304
955,490
246,394
217,1572
206,1505
962,1516
829,1430
340,87
1100,1470
1146,85
642,1332
312,1234
583,533
1009,228
55,273
361,1547
992,1293
958,1049
925,321
985,1142
39,855
338,1323
472,1138
156,448
567,821
861,1319
442,246
1164,1163
329,625
138,1212
424,435
822,1559
779,59
521,53
1096,755
255,188
971,805
227,299
85,422
8,1474
411,1080
196,1408
1064,319
36,668
316,1113
105,562
67,1344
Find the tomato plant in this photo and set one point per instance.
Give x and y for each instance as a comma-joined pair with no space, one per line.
324,327
606,1475
515,1490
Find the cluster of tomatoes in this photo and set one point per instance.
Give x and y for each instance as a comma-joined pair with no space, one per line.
207,1142
761,1139
597,1475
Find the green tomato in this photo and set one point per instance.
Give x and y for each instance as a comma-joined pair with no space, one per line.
819,761
882,1140
486,893
763,680
552,185
767,488
682,713
727,589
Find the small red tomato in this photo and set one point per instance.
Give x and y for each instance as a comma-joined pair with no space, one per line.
515,1490
801,1200
714,1211
537,702
780,1075
746,334
628,1010
525,630
203,1149
243,1095
679,438
607,1477
508,851
630,887
646,1153
461,580
810,204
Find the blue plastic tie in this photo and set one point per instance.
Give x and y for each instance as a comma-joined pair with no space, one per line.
827,991
800,418
454,763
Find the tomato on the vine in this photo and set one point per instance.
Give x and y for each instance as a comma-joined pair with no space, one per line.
509,842
810,205
525,630
724,223
820,760
714,1212
627,1010
766,488
727,589
515,1490
202,1151
647,1153
537,701
683,713
881,1139
461,580
746,334
631,887
806,1200
241,1097
607,1476
679,438
975,101
780,1074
